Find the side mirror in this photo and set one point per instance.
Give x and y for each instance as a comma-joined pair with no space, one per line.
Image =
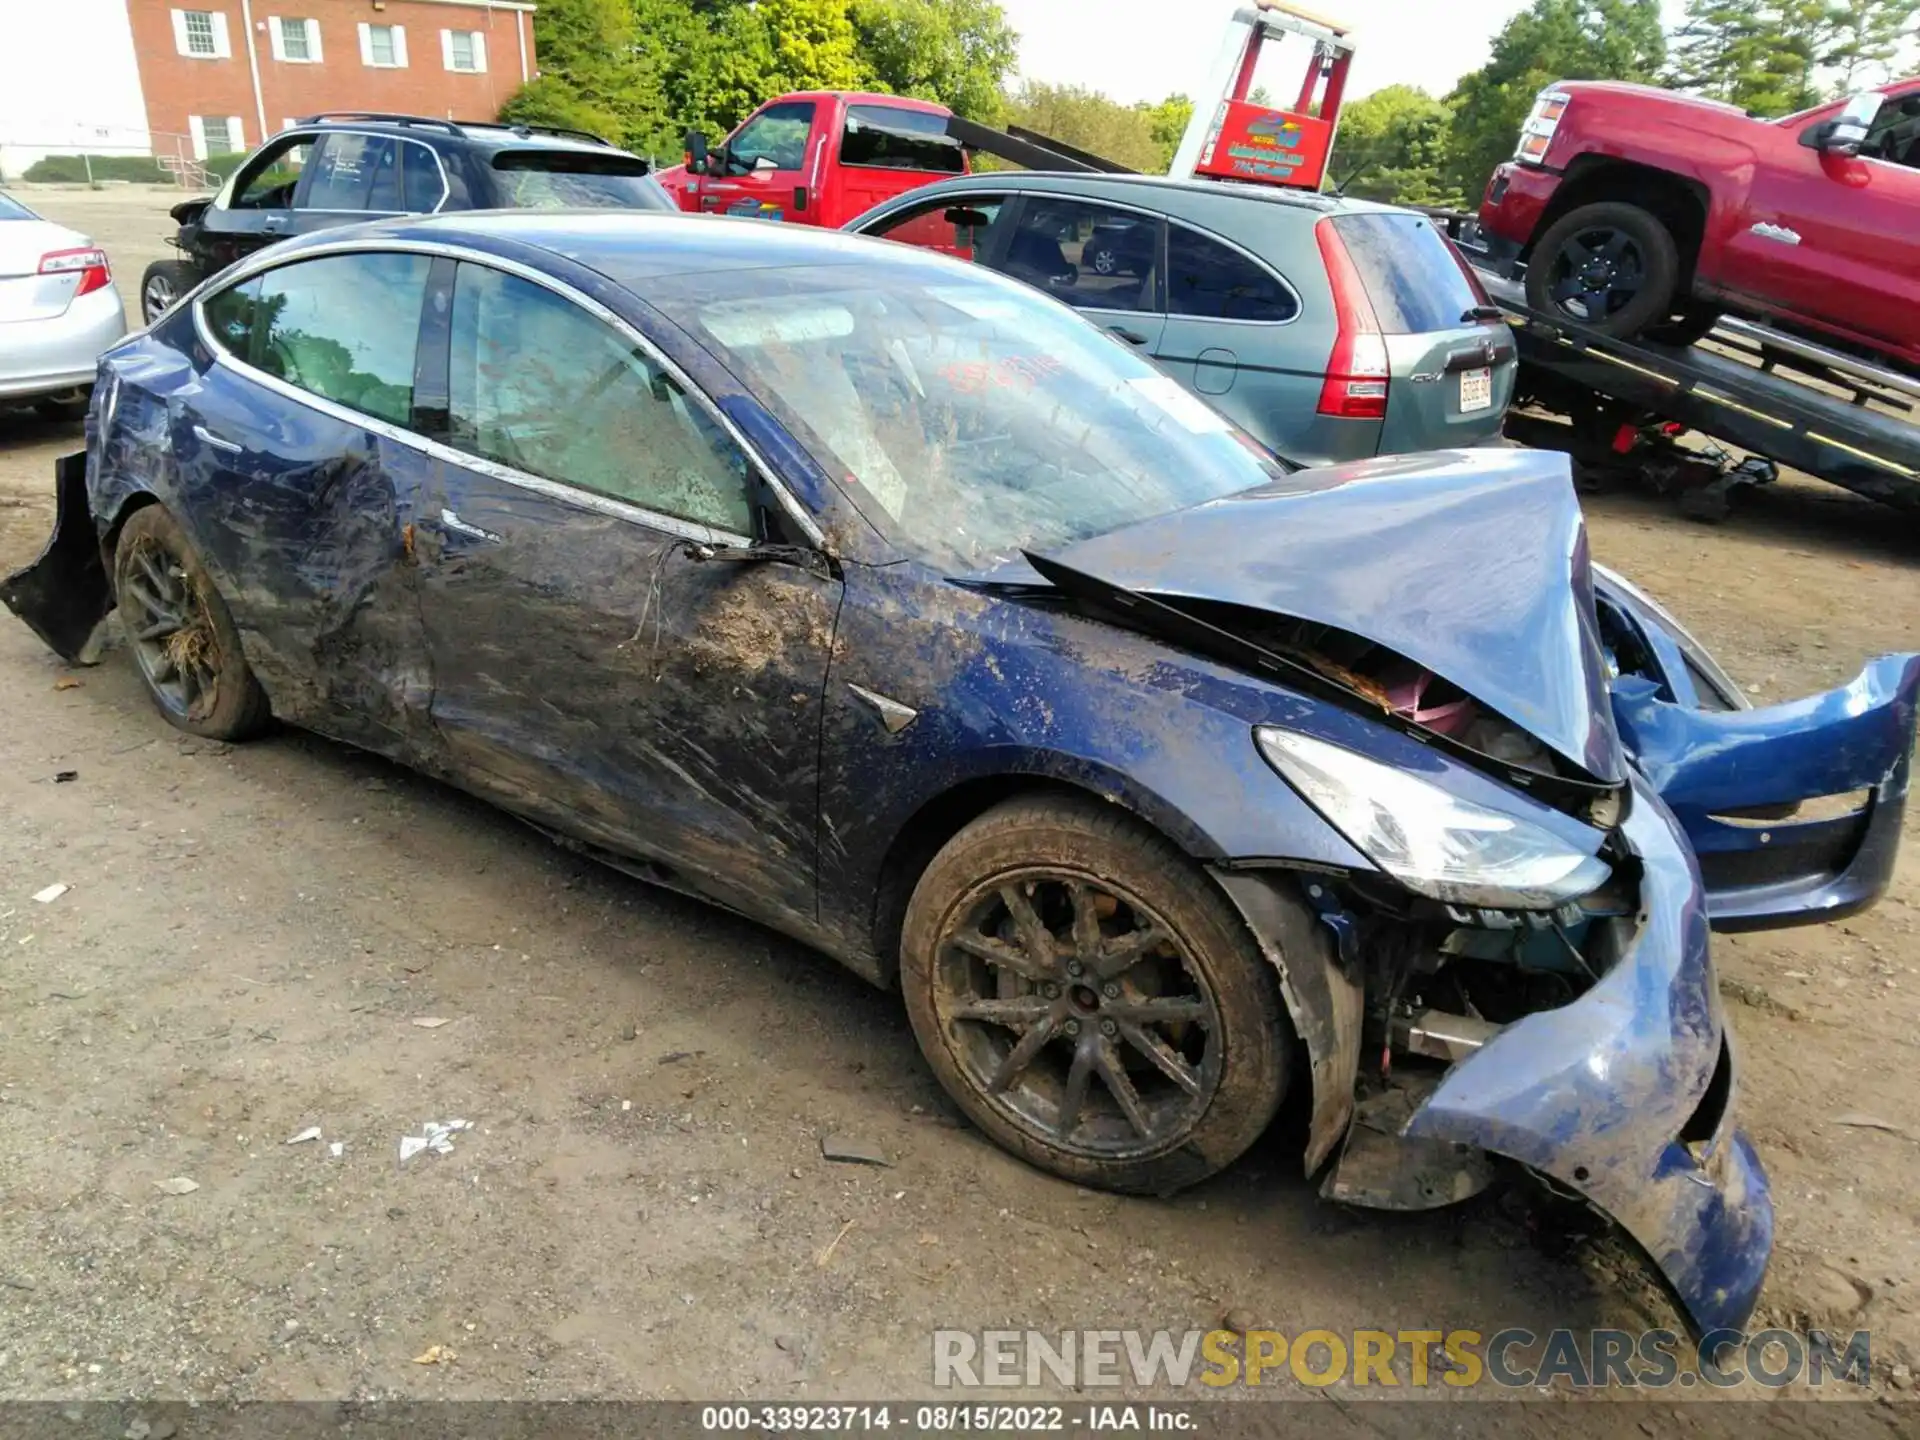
1849,130
697,155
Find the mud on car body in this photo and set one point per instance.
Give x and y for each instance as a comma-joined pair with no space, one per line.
885,600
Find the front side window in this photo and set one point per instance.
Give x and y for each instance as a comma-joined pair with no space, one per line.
539,384
958,225
1895,136
1089,255
964,415
343,327
1213,281
272,178
776,136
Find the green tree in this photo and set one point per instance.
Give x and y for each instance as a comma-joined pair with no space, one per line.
813,44
1090,121
958,52
1550,40
1170,119
1762,57
1869,36
594,74
1392,148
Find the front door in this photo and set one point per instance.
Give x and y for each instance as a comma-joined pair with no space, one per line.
1836,237
1102,260
600,663
763,166
258,208
287,451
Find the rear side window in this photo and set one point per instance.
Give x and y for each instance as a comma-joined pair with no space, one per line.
1212,281
1411,276
885,137
539,384
563,179
374,173
343,327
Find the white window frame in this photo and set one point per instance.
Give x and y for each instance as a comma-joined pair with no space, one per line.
277,36
477,39
217,19
399,61
236,135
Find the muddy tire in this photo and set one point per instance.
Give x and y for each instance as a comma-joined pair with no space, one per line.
164,282
1085,993
181,634
1612,266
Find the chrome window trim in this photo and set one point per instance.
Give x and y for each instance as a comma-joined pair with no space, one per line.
559,490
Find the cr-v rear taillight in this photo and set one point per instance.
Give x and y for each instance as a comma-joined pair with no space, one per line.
92,265
1356,383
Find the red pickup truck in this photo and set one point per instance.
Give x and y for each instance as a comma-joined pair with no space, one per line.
1638,210
818,158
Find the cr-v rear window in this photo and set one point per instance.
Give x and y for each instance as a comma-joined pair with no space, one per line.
888,137
1412,278
558,179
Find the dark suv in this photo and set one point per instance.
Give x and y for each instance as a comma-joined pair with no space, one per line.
337,168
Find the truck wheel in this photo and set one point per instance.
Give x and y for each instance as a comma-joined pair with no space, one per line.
1612,266
164,282
1086,994
181,634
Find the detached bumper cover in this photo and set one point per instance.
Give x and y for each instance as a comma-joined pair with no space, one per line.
64,594
1596,1094
1764,872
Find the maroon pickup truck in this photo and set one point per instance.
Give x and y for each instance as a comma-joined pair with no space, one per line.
1641,211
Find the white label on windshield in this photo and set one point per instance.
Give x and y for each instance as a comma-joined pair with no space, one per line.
1192,413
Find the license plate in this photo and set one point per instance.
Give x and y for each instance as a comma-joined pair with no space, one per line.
1476,390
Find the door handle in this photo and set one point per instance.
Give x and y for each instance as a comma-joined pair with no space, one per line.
1132,337
453,522
273,224
207,437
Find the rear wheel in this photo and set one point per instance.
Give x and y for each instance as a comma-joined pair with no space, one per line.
1612,266
180,631
1087,996
164,282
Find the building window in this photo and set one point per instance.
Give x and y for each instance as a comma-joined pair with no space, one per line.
464,50
216,135
201,34
383,46
297,41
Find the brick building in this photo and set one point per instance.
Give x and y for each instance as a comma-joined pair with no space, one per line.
211,77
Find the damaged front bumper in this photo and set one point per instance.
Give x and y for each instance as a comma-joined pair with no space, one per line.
1624,1095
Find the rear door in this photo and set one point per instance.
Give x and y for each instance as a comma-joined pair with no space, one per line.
358,176
762,169
1231,336
291,451
1452,372
1057,243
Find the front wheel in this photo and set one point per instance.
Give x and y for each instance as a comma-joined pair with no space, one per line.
182,635
1084,992
1613,266
164,282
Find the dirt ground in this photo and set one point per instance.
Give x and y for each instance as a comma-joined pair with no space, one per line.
253,934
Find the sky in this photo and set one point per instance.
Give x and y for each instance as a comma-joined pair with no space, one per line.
1148,49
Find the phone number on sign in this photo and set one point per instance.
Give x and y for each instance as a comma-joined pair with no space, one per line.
918,1419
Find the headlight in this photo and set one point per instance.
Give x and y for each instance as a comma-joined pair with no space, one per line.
1428,839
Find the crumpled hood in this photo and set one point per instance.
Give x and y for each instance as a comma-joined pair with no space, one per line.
1472,564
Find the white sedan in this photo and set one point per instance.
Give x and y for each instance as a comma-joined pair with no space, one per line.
58,310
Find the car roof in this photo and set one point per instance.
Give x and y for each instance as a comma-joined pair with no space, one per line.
632,246
1154,191
481,134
